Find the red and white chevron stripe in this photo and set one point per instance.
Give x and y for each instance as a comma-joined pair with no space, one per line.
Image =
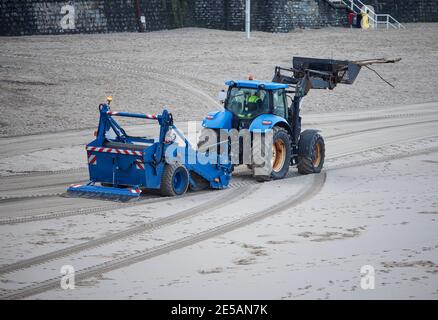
111,113
139,164
92,159
118,151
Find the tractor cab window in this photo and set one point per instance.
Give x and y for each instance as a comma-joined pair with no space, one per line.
279,102
247,103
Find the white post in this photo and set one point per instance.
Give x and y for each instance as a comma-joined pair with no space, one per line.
248,18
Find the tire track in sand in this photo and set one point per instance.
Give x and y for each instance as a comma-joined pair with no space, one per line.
229,196
81,211
305,193
85,209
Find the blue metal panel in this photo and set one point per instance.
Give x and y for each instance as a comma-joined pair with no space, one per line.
116,169
218,120
153,169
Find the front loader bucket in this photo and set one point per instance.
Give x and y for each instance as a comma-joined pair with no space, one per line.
101,192
333,71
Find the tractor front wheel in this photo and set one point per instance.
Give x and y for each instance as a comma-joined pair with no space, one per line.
311,152
175,180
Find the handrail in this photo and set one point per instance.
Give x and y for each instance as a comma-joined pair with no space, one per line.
386,15
356,6
389,17
374,14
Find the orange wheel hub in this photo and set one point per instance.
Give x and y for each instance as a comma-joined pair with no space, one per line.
278,155
317,155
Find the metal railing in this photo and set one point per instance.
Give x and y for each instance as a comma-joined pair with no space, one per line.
375,19
387,20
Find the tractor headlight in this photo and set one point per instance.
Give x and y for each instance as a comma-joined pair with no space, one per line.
170,136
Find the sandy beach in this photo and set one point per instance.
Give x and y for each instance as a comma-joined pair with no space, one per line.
304,237
54,83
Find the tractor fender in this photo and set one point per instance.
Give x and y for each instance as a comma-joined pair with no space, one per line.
218,120
266,122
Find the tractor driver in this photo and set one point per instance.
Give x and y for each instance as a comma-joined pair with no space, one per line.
253,106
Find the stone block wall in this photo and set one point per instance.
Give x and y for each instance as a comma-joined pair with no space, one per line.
408,10
27,17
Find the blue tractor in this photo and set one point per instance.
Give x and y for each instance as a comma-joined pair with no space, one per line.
261,106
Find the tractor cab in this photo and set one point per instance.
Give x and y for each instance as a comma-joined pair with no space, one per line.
248,99
259,107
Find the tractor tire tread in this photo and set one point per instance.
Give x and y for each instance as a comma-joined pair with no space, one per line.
308,139
257,148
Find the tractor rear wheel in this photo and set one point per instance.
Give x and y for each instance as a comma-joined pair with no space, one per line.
281,154
174,181
311,152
